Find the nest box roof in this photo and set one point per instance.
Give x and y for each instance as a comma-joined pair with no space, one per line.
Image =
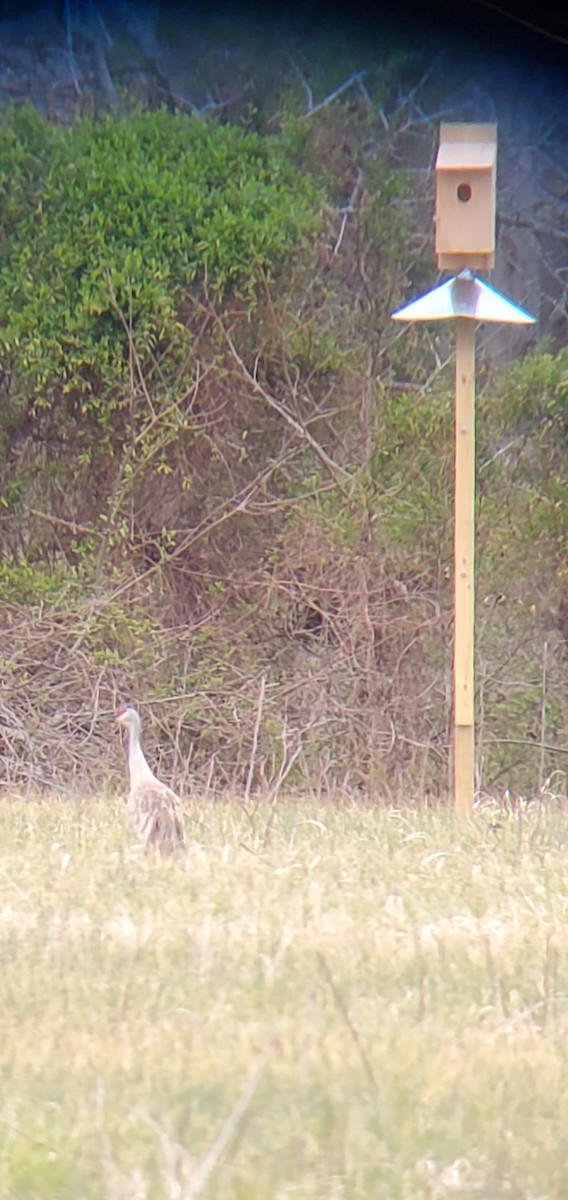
471,156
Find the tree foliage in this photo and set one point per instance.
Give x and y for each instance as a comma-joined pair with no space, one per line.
106,224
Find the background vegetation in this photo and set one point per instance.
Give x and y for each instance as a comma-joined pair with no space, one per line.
226,480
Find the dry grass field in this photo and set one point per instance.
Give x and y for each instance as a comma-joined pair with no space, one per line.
313,1002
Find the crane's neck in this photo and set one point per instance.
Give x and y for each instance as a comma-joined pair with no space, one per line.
138,767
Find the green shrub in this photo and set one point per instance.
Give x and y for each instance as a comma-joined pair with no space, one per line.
104,226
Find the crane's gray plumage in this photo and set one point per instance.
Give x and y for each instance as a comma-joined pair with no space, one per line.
154,811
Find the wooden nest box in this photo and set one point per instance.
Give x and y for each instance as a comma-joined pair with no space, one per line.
465,197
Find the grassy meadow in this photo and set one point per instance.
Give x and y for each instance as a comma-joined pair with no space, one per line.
313,1002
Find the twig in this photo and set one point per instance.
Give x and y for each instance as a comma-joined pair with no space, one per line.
70,50
72,525
528,744
101,64
349,208
355,78
280,408
543,715
283,773
532,26
305,84
255,739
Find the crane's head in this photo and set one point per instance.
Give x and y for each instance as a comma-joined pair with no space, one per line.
128,718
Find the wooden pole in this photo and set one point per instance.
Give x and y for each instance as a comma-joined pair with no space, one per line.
464,556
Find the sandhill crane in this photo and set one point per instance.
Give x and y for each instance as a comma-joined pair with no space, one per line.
154,811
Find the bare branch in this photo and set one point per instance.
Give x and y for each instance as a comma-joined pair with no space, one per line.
355,78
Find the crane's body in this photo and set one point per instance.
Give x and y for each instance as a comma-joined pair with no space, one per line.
154,810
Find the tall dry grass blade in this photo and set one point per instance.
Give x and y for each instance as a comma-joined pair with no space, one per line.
347,1019
232,1123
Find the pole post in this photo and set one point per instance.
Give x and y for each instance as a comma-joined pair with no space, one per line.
466,166
464,582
